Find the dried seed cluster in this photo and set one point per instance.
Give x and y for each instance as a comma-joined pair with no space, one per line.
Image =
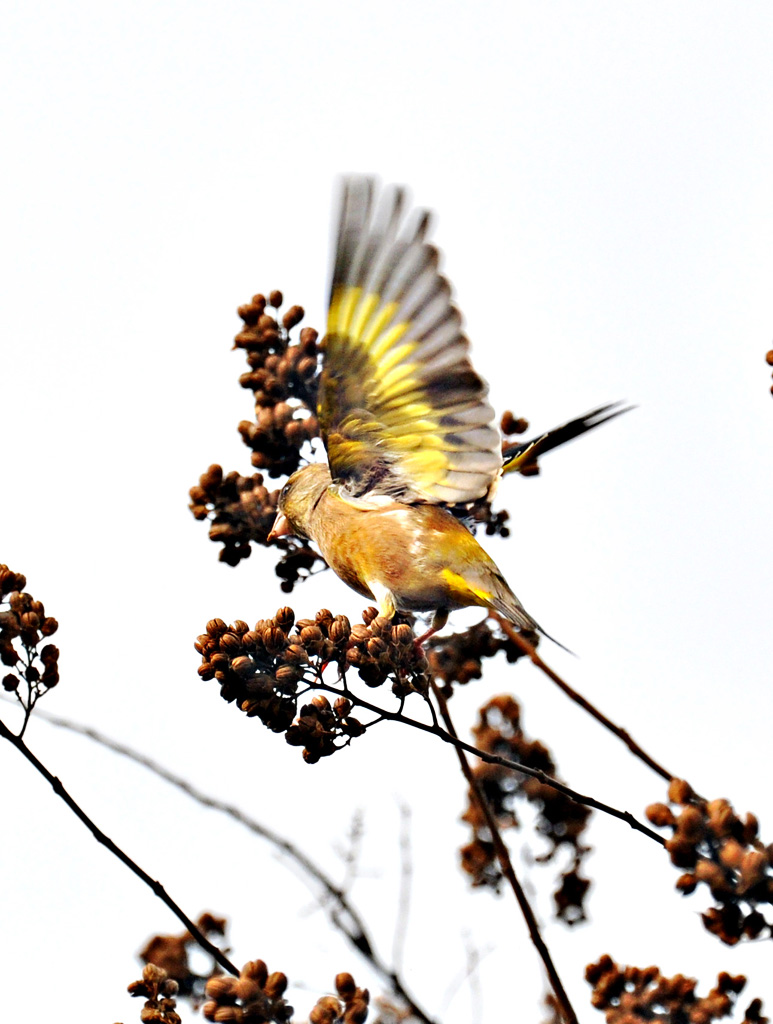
23,626
267,669
241,511
560,820
349,1007
634,995
723,852
159,991
255,997
283,379
458,658
170,953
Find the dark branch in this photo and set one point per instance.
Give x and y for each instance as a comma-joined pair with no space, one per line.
100,836
617,730
506,864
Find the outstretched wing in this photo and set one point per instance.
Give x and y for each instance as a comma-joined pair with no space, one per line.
401,409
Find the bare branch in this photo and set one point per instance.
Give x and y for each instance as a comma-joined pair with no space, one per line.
507,867
617,730
345,916
100,836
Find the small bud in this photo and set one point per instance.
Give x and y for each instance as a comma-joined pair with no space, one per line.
276,984
345,985
342,707
257,970
402,634
731,854
293,316
285,618
287,675
153,975
682,852
686,883
660,815
275,298
352,727
274,639
754,867
221,986
679,791
244,667
690,824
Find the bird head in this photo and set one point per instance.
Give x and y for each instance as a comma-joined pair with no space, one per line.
298,499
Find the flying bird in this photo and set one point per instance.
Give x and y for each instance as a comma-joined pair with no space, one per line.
411,438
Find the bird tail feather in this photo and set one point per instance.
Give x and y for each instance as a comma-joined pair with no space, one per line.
507,604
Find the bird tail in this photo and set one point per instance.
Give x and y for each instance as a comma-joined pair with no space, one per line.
508,605
522,458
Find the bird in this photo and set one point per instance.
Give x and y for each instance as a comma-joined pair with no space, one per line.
410,435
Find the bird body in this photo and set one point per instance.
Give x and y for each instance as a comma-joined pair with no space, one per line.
408,429
413,558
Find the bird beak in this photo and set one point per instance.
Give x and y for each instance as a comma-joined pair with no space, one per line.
281,527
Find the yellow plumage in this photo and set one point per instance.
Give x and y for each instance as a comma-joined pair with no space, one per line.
406,424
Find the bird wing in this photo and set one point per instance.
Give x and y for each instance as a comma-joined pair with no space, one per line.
402,411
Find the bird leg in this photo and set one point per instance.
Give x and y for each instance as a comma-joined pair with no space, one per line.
439,619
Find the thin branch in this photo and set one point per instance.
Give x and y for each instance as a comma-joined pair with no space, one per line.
506,865
406,877
353,928
617,730
505,762
100,836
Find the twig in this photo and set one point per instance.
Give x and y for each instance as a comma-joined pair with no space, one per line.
505,762
406,877
353,929
506,865
100,836
618,731
473,974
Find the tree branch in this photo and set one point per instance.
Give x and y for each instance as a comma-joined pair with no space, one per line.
100,836
506,864
617,730
354,930
505,762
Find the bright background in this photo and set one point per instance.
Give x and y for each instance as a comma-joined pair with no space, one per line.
602,173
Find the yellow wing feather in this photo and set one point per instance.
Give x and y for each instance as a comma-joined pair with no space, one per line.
401,409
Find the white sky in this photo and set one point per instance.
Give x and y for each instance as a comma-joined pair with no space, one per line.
602,175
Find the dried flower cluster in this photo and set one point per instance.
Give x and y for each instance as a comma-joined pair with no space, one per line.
267,669
633,995
170,953
241,511
255,997
723,852
23,626
560,820
159,991
458,658
350,1006
283,378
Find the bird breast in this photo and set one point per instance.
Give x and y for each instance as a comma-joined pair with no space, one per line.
417,552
